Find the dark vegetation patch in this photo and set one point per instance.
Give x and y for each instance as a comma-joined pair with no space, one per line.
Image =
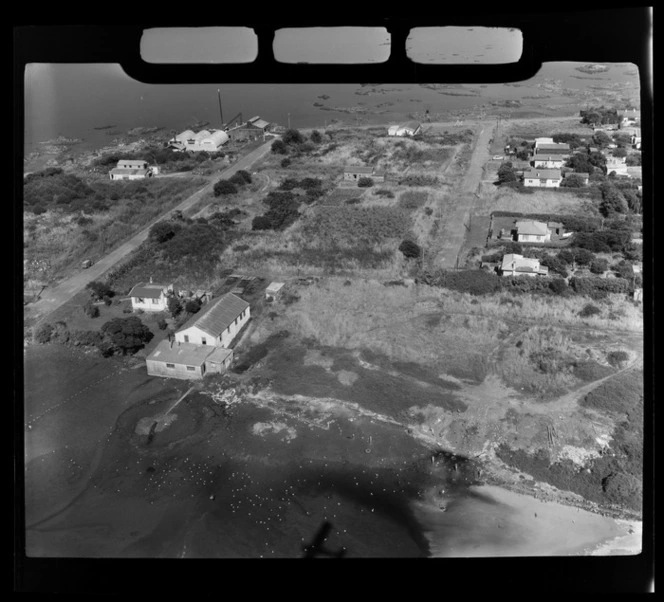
248,357
619,395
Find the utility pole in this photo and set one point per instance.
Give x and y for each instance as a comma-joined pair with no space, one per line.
289,121
221,114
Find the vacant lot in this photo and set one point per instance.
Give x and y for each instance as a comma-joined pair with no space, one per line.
496,198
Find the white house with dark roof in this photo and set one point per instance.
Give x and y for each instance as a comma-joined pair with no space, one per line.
130,169
150,297
543,178
410,128
547,161
518,265
532,231
217,324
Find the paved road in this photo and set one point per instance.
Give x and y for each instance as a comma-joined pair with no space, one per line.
454,232
55,297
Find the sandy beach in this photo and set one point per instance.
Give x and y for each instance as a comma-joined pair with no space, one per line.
492,521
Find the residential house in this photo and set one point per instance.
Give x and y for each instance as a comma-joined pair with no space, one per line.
630,117
272,290
355,172
547,161
532,231
616,164
540,141
150,297
217,324
545,178
175,359
518,265
410,128
554,149
131,169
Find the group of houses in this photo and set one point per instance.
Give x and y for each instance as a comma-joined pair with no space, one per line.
202,344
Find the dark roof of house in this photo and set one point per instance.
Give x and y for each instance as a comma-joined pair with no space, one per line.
542,173
218,316
150,291
358,169
181,353
545,157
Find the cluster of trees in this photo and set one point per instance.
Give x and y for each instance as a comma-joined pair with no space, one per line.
232,184
165,158
574,140
282,211
119,335
294,142
599,116
410,249
365,182
506,174
586,162
183,237
52,187
312,187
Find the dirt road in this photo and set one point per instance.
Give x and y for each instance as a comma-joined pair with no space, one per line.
54,297
454,231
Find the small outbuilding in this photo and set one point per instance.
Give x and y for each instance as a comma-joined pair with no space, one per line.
272,290
355,172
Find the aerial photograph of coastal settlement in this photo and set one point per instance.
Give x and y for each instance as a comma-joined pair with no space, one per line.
401,320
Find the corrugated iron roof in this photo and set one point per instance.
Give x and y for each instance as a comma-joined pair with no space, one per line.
218,316
181,353
135,162
553,146
219,355
531,227
358,169
150,291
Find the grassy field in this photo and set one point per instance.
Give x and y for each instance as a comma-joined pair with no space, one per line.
495,198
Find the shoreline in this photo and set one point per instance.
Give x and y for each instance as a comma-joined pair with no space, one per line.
494,521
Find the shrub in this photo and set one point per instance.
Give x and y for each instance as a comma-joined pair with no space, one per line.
428,211
410,249
84,221
260,222
246,176
43,333
91,310
237,180
590,310
127,334
174,305
192,306
383,192
86,338
617,358
106,348
223,187
279,147
99,290
285,162
292,136
558,286
162,324
365,182
599,266
164,231
475,282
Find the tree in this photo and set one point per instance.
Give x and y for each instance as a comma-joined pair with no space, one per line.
316,137
246,176
90,310
260,222
602,139
43,333
558,286
99,290
506,173
223,187
174,306
633,159
292,136
410,249
365,182
583,256
622,139
237,180
162,324
523,154
163,231
573,181
590,310
279,147
127,334
599,266
620,152
192,306
613,200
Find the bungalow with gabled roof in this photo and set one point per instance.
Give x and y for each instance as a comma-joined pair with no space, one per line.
217,324
532,231
150,297
517,265
544,178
